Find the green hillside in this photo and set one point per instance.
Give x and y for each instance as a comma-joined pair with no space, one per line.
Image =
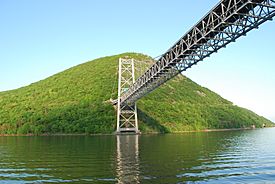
76,101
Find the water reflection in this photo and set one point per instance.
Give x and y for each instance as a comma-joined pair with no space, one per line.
213,157
128,159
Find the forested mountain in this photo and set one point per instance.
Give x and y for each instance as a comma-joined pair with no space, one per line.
77,101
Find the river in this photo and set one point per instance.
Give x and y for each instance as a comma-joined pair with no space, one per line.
203,157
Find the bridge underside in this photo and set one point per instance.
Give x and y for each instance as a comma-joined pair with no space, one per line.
226,22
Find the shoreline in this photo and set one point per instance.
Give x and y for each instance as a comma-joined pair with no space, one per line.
146,133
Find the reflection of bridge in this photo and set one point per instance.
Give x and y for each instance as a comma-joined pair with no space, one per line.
127,159
227,21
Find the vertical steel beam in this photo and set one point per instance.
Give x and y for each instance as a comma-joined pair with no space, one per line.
118,96
135,105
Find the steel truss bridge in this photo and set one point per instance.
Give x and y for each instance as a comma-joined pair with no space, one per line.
225,23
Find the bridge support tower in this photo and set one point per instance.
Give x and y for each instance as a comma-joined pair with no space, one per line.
127,120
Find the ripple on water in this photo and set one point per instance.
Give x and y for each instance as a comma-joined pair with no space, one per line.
228,157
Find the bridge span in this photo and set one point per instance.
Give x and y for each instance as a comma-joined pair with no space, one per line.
225,23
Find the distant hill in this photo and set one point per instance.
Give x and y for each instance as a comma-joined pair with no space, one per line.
76,101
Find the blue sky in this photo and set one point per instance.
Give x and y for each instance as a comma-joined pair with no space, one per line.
41,38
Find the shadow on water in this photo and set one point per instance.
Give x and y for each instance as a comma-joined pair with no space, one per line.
151,122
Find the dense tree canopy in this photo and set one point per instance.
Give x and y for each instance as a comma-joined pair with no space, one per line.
76,101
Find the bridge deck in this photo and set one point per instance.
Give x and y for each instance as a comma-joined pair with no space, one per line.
225,23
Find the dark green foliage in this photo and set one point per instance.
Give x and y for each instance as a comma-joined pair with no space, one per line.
76,101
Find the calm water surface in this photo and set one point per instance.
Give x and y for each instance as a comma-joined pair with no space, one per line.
209,157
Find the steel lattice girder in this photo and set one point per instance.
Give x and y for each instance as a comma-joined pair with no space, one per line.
226,22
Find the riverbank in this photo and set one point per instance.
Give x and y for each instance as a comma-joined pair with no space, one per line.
146,133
